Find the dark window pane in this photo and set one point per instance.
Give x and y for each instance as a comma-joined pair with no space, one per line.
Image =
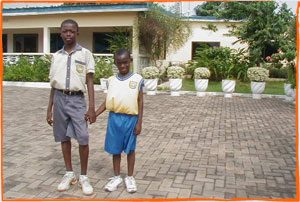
56,43
4,43
199,45
26,43
101,44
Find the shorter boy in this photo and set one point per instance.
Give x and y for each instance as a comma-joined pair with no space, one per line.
124,100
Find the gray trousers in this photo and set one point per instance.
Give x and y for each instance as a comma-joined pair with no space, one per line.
69,118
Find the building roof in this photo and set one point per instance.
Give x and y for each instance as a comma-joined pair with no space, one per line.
117,7
209,19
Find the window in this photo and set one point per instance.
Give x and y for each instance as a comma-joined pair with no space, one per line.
197,45
100,43
4,43
56,43
25,43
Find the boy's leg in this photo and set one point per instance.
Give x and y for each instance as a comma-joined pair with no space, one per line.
115,181
66,150
69,178
84,155
130,162
129,180
117,164
84,181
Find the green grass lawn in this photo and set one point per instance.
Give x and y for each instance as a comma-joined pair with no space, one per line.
272,87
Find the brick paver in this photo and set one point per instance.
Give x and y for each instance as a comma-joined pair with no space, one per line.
190,147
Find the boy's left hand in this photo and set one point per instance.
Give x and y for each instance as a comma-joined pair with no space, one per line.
138,129
90,116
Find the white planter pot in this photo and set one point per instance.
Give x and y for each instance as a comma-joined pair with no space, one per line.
150,86
288,92
104,82
257,88
175,86
228,87
201,86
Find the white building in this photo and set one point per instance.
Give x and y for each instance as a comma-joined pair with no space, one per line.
35,30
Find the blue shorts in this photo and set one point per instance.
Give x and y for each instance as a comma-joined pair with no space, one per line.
120,133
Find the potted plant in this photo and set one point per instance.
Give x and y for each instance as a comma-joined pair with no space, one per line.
103,70
228,83
257,76
150,75
175,75
201,75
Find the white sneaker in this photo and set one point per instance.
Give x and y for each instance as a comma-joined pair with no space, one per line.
68,179
84,183
113,184
130,184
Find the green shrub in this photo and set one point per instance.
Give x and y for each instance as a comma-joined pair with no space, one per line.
217,60
23,70
278,73
103,68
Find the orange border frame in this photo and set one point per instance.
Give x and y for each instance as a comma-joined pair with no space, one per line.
179,199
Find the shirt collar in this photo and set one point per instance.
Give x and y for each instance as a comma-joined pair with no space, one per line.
77,47
125,77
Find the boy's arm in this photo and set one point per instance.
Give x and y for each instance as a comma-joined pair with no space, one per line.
50,105
138,127
101,109
90,115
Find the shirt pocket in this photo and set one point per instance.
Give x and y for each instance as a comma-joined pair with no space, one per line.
80,68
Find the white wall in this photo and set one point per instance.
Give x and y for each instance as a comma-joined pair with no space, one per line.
199,34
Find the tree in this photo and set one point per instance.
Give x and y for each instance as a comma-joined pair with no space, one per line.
265,26
234,10
160,31
265,29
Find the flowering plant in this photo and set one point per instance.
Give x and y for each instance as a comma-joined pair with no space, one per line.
150,72
175,72
201,73
258,74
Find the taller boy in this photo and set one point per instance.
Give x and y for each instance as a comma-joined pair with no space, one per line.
71,67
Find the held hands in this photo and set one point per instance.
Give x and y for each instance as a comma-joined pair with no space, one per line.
90,116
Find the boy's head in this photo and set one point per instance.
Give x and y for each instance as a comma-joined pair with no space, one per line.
122,61
69,31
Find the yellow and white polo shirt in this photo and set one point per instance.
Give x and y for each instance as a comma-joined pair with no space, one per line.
68,71
122,93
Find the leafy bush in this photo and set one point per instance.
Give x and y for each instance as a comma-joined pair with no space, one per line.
150,72
258,74
175,72
201,73
278,73
103,68
23,70
219,60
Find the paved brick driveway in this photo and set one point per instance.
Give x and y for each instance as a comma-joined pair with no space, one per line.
190,147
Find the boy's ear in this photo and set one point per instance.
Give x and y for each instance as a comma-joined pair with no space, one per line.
131,59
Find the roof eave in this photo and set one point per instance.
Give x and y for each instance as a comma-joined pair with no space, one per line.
75,11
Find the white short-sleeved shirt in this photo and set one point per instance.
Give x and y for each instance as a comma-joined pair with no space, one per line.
122,93
68,71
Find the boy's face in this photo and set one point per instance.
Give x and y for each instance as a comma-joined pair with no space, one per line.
68,33
123,63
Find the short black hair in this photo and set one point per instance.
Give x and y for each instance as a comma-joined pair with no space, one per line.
71,22
121,52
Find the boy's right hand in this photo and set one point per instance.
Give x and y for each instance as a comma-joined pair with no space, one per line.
49,118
